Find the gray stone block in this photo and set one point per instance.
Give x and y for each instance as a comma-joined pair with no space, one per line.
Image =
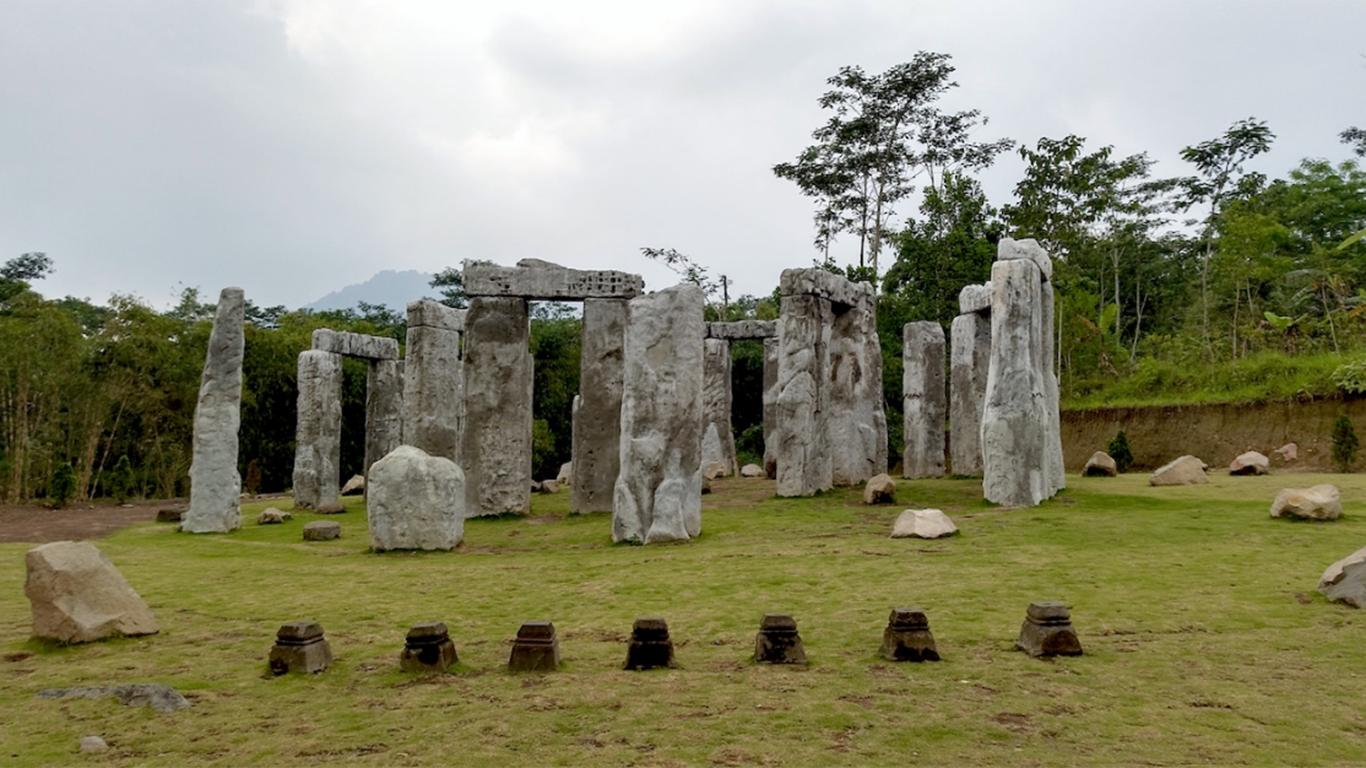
924,397
543,280
359,345
215,486
739,330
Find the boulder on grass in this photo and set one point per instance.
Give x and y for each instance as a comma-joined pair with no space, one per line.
77,595
1288,452
550,486
322,530
1100,465
1250,463
273,516
417,501
751,470
1186,470
1321,502
354,487
1345,580
714,471
880,489
923,524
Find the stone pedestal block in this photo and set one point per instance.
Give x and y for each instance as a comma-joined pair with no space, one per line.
907,637
427,648
718,438
322,530
924,398
536,648
215,486
301,648
597,409
778,641
1047,631
317,452
496,449
650,646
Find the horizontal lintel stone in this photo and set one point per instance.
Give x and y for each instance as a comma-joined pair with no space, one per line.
541,280
813,281
743,329
433,314
355,344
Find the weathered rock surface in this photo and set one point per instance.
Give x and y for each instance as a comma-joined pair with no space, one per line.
923,524
1345,580
536,648
857,424
434,380
383,411
907,637
77,595
969,359
718,438
802,405
317,452
738,330
1320,502
427,648
350,344
813,281
1184,470
1249,463
1288,452
300,648
771,407
1028,250
597,409
658,494
1100,465
416,501
273,516
355,486
924,397
549,486
547,281
426,313
92,744
161,698
1047,631
778,641
322,530
974,298
566,474
215,486
498,380
880,489
751,470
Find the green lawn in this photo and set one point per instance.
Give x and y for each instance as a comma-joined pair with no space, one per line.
1205,639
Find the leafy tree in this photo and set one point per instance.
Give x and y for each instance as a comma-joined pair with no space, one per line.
1345,443
121,479
62,486
1356,139
1120,451
450,282
17,274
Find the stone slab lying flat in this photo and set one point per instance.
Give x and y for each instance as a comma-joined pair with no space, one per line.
355,344
813,281
433,314
543,280
740,330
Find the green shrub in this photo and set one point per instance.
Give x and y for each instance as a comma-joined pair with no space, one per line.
749,446
1351,377
1119,451
63,485
1345,443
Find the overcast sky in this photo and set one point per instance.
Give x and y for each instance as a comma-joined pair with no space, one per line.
294,147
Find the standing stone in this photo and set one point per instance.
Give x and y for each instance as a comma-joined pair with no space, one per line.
536,648
215,486
969,359
415,501
1014,417
650,646
597,408
427,648
771,407
300,648
802,405
383,410
658,493
1052,448
907,637
718,438
923,393
317,452
496,446
433,379
856,428
1047,631
778,641
77,595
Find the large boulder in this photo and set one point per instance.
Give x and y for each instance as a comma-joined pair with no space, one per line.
923,524
416,501
1321,502
1250,463
1186,470
1345,580
1100,465
77,595
880,489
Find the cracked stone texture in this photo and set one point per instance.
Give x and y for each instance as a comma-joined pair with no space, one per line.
813,281
77,595
857,425
544,280
215,486
923,399
658,493
496,447
802,405
350,344
974,298
969,358
317,452
739,330
597,409
1345,580
415,501
434,380
718,438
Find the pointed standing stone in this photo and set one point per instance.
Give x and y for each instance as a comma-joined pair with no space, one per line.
924,408
215,486
317,451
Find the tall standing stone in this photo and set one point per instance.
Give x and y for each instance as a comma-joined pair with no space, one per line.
771,407
597,409
658,494
969,358
498,380
317,452
923,393
1053,438
383,410
803,452
215,486
1014,417
433,380
857,424
718,438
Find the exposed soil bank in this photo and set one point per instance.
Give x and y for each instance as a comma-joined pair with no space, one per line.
1214,433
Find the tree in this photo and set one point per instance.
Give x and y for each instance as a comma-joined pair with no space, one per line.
62,485
1345,443
121,479
17,274
1356,139
1120,451
885,131
451,283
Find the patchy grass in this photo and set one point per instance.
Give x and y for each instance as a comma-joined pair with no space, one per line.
1205,640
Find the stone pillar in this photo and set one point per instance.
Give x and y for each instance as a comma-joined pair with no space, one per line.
771,407
658,493
317,451
1014,416
383,410
803,450
496,445
923,399
718,438
433,380
857,424
597,409
1053,439
970,355
215,486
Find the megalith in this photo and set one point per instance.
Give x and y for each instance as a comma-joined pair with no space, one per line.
215,486
597,410
658,493
433,379
415,501
771,407
496,444
803,401
923,399
718,438
317,452
383,410
969,358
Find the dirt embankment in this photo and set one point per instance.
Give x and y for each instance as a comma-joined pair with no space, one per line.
1215,433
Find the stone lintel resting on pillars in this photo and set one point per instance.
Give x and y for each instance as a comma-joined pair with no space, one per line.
597,410
215,486
496,444
923,394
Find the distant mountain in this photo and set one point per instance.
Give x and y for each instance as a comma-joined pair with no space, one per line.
392,288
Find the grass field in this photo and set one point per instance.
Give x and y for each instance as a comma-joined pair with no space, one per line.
1205,639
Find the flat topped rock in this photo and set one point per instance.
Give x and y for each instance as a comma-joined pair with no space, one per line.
433,314
908,618
813,281
777,622
1049,611
1027,249
322,530
301,631
536,279
739,330
427,632
535,649
351,344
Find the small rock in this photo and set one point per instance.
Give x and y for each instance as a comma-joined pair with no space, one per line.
751,470
550,486
1345,580
1250,463
1100,465
1321,502
330,509
273,516
535,486
923,524
1288,452
713,471
566,475
322,530
354,487
93,744
880,489
1186,470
